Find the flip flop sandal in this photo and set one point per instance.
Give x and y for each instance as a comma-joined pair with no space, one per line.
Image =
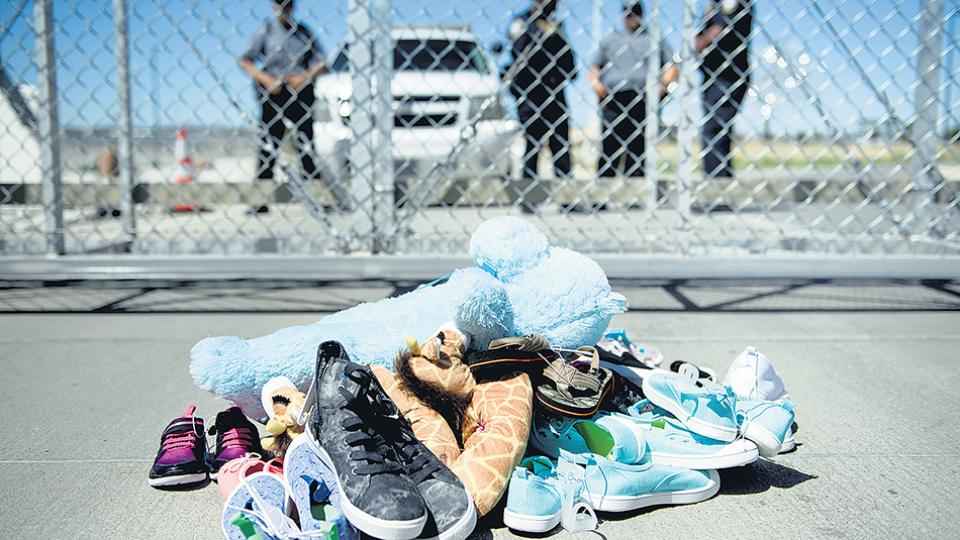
529,353
573,391
313,488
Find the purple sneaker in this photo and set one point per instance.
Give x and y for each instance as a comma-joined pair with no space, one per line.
236,437
181,460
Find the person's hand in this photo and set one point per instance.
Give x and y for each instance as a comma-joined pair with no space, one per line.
601,92
271,83
713,31
296,80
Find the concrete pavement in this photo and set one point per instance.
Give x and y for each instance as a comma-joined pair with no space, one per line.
87,395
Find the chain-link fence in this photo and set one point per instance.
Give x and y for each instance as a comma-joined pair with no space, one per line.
733,127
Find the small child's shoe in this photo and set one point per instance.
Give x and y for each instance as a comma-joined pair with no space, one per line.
258,505
236,437
670,443
181,460
313,489
766,423
703,407
539,499
229,474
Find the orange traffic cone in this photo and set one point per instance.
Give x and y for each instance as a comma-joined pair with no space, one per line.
183,173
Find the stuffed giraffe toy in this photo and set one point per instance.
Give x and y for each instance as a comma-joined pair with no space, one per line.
478,429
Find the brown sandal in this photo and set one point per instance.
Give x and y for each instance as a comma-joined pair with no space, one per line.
570,389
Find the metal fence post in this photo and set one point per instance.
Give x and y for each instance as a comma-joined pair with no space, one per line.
927,99
48,122
381,107
688,105
371,119
361,154
124,119
652,129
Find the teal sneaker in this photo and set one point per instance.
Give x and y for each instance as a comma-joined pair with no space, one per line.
703,407
553,433
766,423
540,498
668,442
611,486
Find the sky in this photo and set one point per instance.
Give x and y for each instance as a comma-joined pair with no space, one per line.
183,56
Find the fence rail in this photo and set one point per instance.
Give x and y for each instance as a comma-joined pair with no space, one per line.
695,133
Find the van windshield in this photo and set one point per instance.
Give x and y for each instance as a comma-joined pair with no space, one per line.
429,55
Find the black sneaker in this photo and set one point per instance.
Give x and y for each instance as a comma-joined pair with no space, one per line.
182,458
349,416
236,437
451,513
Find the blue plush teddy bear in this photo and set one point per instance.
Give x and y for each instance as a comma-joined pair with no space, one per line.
520,285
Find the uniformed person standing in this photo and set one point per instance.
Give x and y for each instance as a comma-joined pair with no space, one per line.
619,77
291,58
542,63
723,43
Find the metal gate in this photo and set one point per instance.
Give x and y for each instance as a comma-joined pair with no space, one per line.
128,130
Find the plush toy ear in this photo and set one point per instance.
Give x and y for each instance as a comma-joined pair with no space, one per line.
506,246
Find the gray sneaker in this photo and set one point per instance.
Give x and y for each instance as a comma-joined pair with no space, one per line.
452,515
351,412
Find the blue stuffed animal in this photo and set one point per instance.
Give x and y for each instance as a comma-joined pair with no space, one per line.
520,285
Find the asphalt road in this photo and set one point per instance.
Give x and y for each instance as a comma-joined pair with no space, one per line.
87,395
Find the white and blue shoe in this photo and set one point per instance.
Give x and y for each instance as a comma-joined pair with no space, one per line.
259,504
670,443
313,490
552,434
540,498
766,423
649,432
753,377
617,473
703,407
611,486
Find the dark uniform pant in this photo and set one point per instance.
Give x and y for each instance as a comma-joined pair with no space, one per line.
721,103
547,118
296,107
622,137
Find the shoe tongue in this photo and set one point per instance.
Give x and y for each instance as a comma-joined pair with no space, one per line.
189,412
231,413
230,418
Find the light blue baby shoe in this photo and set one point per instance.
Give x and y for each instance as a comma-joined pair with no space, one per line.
668,442
553,433
611,486
766,423
313,491
539,498
258,505
703,407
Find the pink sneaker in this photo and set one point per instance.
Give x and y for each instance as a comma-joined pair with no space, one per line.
235,469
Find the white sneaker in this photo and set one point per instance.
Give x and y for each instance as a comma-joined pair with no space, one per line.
752,376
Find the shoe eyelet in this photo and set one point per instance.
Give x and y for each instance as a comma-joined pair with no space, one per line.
353,470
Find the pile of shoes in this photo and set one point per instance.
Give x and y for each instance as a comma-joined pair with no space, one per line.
664,448
610,432
261,497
